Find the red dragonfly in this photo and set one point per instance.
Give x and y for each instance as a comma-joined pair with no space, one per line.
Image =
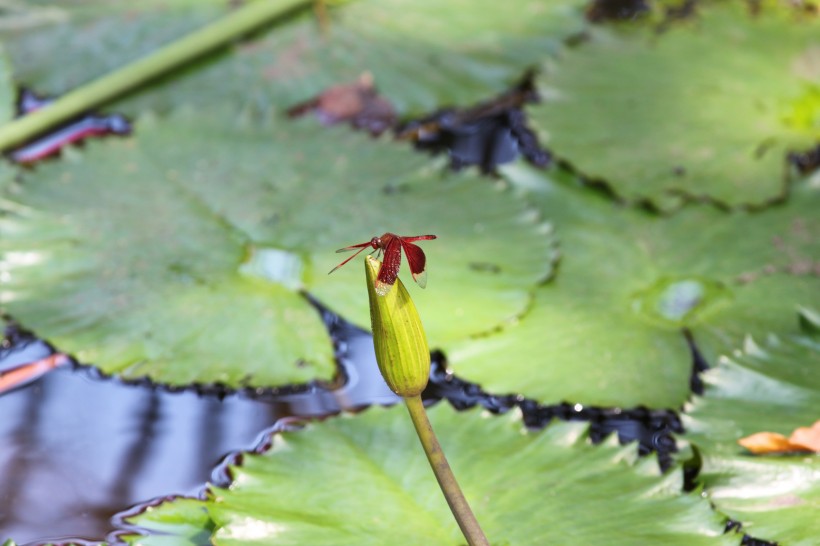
391,245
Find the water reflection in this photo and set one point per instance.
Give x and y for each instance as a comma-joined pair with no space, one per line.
76,130
77,447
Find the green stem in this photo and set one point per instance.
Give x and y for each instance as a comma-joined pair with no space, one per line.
444,474
93,94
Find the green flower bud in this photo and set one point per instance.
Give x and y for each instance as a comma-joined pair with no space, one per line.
398,336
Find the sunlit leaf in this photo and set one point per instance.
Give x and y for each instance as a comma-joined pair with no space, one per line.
809,320
180,522
422,54
365,480
608,329
180,253
773,386
708,107
774,498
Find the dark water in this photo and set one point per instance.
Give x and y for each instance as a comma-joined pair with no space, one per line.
74,131
77,447
487,134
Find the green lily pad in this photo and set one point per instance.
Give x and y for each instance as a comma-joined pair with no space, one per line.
707,108
772,386
607,329
177,522
423,54
7,174
7,100
768,386
775,499
180,254
365,480
7,90
55,47
105,258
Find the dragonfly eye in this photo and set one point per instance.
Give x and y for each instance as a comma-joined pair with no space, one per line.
376,242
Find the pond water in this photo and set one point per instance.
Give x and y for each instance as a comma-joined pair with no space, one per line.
78,447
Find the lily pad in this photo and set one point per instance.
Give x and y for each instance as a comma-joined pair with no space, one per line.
180,254
7,99
7,174
423,54
7,91
775,499
55,47
707,108
770,385
608,329
365,480
177,522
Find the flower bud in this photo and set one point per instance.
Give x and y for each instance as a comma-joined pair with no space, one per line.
398,336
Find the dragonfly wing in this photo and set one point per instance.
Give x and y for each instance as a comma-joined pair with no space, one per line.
419,238
353,247
389,270
417,262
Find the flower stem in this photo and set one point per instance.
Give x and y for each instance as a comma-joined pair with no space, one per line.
91,95
444,474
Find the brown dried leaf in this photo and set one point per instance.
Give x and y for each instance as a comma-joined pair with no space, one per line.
765,442
807,437
802,439
357,103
